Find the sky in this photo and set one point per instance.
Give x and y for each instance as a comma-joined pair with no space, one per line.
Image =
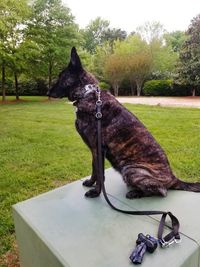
129,14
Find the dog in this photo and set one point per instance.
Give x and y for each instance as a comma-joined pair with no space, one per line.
126,142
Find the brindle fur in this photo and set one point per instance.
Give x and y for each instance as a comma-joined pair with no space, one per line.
127,144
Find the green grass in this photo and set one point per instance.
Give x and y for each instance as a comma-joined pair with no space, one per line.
40,149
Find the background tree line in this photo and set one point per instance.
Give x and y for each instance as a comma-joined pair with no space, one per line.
36,38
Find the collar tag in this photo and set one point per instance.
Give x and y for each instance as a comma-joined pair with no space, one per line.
90,88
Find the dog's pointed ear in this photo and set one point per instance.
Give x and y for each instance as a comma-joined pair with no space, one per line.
75,62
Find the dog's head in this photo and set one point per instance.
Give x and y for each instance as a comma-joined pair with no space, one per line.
71,80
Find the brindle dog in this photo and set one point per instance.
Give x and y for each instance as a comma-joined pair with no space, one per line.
127,144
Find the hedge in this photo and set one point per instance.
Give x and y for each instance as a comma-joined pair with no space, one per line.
158,88
29,87
166,88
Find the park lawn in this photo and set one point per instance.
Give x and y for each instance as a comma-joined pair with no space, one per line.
40,149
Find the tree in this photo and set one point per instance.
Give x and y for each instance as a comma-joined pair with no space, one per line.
17,53
175,40
139,68
163,55
138,60
142,58
94,33
151,31
164,60
21,60
3,76
132,45
102,53
12,16
98,32
114,71
53,29
114,34
189,67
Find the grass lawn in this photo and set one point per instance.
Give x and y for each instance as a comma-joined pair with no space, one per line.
40,149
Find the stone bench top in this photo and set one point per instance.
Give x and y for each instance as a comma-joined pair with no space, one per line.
64,228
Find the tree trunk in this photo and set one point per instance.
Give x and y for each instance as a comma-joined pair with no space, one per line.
116,89
3,82
50,74
139,87
132,88
138,91
16,86
193,91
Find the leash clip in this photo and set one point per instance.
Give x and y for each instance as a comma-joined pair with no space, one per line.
167,244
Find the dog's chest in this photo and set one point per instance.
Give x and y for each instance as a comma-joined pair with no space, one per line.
85,122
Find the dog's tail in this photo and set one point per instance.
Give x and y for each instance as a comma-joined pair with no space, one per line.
186,186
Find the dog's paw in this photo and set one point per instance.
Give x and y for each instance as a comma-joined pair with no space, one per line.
88,183
92,193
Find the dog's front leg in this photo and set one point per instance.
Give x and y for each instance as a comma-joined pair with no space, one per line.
94,192
90,182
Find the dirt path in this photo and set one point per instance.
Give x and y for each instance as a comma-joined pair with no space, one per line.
163,101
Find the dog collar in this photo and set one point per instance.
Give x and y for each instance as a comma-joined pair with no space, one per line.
89,88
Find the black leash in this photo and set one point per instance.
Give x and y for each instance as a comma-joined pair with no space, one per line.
173,236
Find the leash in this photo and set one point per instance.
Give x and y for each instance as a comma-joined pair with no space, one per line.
171,237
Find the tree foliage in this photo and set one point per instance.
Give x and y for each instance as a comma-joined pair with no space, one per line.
53,29
139,62
13,15
164,59
134,56
151,31
98,32
163,55
114,71
139,68
94,34
36,38
99,59
175,40
189,67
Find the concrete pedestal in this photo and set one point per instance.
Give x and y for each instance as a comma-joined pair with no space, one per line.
63,228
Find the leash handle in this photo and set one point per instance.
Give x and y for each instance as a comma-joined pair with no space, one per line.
170,238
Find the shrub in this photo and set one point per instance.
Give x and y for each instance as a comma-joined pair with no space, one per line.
104,85
26,87
181,90
167,88
8,86
33,87
158,88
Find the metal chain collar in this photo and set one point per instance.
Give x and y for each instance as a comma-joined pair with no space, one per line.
98,114
89,88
